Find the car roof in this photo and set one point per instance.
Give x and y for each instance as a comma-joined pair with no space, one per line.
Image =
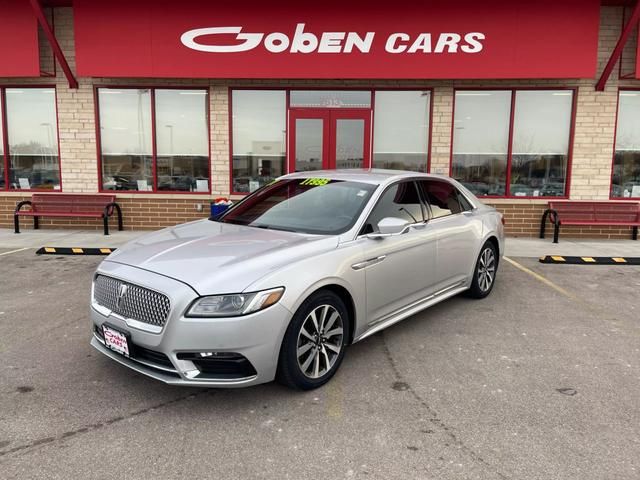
375,176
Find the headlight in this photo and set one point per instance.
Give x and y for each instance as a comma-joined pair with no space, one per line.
234,305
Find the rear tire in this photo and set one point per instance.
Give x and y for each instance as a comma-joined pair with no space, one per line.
484,275
314,343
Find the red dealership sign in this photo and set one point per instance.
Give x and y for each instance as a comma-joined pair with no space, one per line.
18,40
337,39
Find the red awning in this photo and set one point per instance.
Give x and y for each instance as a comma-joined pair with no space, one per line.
336,39
18,40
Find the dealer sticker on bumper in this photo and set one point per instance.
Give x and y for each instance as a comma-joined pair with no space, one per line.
115,340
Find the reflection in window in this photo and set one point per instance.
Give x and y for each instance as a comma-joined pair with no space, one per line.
32,134
308,146
349,143
540,147
443,198
125,139
298,206
398,201
181,136
401,130
330,98
480,140
182,140
540,143
626,163
259,137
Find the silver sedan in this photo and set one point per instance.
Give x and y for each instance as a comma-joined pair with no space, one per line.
280,284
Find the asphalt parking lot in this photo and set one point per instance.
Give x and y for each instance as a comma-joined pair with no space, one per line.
539,381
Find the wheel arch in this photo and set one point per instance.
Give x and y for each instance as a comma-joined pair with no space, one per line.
338,287
494,240
346,297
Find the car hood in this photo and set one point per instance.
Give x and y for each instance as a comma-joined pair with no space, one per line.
215,257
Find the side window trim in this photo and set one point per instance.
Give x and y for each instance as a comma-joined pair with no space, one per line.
426,207
467,202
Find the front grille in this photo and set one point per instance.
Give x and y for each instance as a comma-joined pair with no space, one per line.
137,303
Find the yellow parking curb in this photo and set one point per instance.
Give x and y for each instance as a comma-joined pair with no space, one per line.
74,251
556,259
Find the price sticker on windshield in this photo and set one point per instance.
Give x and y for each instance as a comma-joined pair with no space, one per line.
315,182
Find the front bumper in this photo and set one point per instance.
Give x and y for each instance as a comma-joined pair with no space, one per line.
256,337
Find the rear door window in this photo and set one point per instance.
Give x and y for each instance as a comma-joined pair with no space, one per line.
465,204
443,198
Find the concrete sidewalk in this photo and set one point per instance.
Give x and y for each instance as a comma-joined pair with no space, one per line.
535,247
516,247
65,238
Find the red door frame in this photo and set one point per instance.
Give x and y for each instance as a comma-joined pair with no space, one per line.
351,114
311,114
329,117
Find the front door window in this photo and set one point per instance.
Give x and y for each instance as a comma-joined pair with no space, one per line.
309,144
349,143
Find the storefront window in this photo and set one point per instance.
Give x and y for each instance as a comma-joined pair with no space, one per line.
182,140
481,140
32,137
626,163
181,155
539,156
259,137
401,130
125,139
541,143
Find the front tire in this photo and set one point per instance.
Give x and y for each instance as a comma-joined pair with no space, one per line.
484,275
314,344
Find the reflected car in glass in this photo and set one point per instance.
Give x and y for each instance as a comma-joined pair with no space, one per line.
281,283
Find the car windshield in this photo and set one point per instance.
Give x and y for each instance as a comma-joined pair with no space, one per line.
306,205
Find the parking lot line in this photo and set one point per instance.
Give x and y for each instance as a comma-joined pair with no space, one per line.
14,251
542,279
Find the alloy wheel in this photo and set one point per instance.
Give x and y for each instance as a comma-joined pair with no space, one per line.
319,341
486,269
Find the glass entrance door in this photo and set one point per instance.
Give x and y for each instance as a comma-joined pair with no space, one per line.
322,138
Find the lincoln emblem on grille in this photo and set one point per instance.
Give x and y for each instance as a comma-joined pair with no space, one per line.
122,291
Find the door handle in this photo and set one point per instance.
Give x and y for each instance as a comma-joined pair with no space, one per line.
368,263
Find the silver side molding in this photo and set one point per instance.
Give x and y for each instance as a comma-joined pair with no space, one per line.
412,309
368,263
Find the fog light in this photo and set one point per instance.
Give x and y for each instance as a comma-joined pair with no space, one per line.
206,355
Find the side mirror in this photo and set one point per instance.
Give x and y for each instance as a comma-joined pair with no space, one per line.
390,226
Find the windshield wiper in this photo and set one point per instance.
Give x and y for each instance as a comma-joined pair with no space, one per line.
231,221
271,227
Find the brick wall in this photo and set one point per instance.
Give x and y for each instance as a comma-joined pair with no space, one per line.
592,147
